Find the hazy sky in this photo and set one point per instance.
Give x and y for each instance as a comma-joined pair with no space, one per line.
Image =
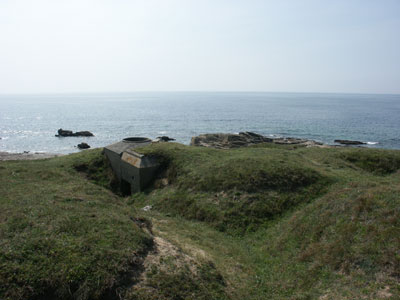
202,45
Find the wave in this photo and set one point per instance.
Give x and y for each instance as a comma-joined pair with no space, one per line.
372,143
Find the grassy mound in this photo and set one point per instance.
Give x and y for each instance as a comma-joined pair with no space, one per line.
248,170
347,239
63,237
181,284
333,236
303,223
235,190
380,162
97,169
346,230
172,274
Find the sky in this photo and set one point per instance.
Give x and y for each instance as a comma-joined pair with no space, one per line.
60,46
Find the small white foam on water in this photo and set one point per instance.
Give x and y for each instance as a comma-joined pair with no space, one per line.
162,132
372,143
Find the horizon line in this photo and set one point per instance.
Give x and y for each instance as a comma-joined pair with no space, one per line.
189,91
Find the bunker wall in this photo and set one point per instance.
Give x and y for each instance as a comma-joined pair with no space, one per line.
115,161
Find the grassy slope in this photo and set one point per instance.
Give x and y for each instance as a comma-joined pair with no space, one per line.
63,237
336,235
277,222
234,190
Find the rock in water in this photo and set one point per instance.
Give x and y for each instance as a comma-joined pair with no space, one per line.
83,133
348,142
83,146
164,139
62,132
65,133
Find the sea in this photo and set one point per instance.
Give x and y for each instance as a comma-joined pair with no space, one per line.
30,122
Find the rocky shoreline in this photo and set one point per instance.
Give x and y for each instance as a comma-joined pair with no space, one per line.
26,155
211,140
244,139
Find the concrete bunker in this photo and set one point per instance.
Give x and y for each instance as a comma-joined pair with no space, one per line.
133,170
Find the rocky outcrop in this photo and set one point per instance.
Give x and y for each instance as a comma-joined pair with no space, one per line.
83,146
62,132
348,142
164,139
228,140
66,133
243,139
83,133
297,141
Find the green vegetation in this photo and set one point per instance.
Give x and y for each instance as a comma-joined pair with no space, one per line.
234,190
376,161
63,237
263,222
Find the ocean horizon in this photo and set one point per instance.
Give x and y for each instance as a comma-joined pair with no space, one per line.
30,122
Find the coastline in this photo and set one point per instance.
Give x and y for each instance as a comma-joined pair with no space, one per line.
27,155
213,140
319,117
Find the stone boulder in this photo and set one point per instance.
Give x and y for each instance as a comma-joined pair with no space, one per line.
83,146
66,133
83,133
348,142
62,132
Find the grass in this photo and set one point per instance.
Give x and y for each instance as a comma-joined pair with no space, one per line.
263,222
178,282
375,161
336,237
233,190
63,237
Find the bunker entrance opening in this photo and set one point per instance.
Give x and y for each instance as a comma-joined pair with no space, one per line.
126,189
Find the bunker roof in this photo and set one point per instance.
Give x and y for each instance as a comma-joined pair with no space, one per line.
128,144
